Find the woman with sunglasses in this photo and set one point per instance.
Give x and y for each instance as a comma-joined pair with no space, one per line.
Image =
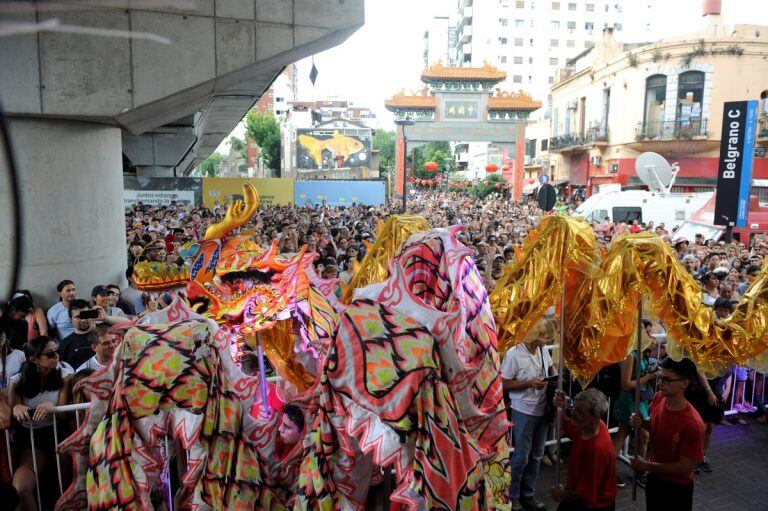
42,384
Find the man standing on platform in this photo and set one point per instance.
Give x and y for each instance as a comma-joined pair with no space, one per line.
677,440
592,463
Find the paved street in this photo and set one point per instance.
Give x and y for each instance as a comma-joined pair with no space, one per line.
739,456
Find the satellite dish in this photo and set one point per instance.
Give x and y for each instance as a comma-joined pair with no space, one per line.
654,171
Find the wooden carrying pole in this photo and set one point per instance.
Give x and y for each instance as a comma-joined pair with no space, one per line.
638,356
560,351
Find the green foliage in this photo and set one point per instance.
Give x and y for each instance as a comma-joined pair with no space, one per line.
210,166
384,142
239,145
438,152
263,129
481,190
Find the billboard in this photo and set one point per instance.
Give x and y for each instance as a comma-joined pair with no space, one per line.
318,149
227,189
158,197
734,171
340,193
161,190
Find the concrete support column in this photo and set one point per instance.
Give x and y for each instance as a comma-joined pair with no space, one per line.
70,176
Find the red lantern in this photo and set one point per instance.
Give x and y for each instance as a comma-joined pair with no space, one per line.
431,166
491,167
505,168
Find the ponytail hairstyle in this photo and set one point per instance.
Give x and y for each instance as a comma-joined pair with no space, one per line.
31,382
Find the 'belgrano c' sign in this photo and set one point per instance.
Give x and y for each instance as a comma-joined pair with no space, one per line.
734,173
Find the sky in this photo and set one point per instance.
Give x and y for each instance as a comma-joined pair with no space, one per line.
386,53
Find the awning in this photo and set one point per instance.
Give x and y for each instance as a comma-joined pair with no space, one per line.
530,189
760,183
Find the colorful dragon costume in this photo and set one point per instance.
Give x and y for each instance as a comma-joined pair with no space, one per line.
403,376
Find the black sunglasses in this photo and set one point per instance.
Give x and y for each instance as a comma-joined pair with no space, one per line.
51,354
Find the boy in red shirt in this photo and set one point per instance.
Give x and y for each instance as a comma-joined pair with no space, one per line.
591,479
677,440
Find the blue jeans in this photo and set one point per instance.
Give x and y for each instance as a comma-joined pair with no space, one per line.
530,434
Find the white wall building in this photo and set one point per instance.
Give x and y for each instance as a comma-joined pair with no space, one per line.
530,40
439,42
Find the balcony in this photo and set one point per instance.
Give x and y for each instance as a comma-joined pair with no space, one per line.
466,34
671,130
597,136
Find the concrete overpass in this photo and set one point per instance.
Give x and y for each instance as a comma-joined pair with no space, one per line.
81,105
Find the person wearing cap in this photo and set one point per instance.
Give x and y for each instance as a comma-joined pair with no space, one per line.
523,372
681,247
155,252
58,315
101,296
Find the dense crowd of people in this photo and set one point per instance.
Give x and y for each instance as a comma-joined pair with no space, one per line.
42,352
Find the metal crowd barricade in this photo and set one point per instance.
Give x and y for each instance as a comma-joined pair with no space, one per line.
77,409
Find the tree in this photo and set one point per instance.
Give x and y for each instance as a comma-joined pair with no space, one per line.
210,166
438,152
481,190
263,129
384,142
239,145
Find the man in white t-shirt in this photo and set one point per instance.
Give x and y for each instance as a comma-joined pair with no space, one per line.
523,372
103,344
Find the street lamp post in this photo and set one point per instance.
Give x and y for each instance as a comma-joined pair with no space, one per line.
403,123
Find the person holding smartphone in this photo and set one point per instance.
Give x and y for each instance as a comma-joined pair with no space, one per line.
523,375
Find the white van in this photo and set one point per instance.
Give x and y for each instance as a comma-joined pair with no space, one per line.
619,205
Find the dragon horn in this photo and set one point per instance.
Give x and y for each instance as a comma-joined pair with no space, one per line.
238,214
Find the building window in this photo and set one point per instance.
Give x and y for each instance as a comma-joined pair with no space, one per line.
531,23
555,25
571,6
520,4
518,60
551,79
518,41
517,79
519,23
690,95
618,27
606,7
503,22
553,61
570,43
530,79
555,6
544,144
530,41
589,26
554,43
571,25
503,59
618,8
589,44
503,41
590,7
530,60
655,95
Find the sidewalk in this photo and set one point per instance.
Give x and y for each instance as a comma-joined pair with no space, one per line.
739,457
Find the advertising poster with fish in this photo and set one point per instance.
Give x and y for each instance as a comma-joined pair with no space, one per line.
333,149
